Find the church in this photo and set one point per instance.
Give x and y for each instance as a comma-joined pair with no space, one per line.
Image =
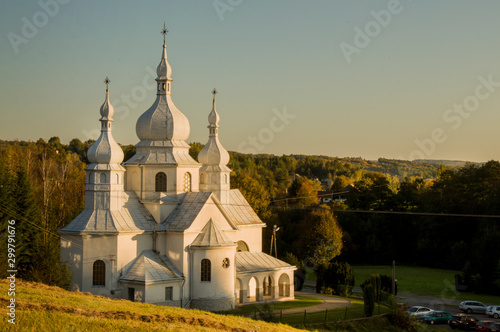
163,228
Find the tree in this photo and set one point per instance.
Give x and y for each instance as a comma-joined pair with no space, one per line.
322,238
369,299
304,192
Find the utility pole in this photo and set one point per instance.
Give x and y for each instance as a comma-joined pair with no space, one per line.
273,242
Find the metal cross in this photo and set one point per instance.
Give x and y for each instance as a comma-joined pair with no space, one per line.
214,92
106,81
164,32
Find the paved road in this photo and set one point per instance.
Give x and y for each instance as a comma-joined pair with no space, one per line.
433,302
328,303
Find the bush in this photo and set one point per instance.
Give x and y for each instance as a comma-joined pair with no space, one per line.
340,278
386,283
369,299
377,286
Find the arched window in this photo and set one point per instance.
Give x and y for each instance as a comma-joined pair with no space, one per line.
161,182
202,178
206,268
187,182
102,178
242,246
99,274
117,179
225,178
90,177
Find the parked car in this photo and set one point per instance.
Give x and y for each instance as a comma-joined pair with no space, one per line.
435,317
472,306
462,322
495,327
493,311
418,311
484,325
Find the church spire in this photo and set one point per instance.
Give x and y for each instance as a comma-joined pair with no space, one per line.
213,153
214,173
164,71
105,150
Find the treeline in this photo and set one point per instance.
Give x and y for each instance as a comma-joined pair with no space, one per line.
41,189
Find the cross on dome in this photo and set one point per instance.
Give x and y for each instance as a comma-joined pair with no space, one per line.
107,81
164,32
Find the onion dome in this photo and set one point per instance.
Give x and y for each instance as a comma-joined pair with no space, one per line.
213,153
163,120
105,150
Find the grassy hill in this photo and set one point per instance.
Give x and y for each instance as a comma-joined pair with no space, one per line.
45,308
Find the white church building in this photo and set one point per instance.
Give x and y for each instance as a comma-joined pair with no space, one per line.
162,228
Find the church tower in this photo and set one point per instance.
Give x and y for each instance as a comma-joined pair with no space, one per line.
104,182
162,168
214,174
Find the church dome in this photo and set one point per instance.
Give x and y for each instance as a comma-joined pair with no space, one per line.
163,120
105,150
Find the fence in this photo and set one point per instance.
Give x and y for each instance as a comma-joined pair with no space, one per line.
318,317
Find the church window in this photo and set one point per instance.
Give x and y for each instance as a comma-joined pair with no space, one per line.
102,178
202,178
158,86
168,293
241,246
117,179
206,268
225,263
90,177
161,182
163,86
99,273
168,86
187,182
225,178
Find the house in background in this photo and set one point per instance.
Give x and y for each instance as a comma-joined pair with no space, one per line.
163,228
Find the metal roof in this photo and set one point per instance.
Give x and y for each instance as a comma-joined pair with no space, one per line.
133,217
212,236
150,267
249,261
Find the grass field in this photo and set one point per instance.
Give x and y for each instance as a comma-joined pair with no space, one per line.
44,308
299,302
423,281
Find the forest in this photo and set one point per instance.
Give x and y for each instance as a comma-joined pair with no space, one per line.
417,213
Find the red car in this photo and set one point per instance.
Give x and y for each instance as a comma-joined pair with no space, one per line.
484,325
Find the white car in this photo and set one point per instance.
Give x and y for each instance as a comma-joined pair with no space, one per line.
418,311
493,311
472,306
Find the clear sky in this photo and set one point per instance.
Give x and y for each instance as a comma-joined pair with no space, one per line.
394,79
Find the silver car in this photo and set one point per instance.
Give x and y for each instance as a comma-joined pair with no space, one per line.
472,306
493,311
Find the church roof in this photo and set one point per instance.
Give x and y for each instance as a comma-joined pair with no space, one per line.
212,236
250,261
238,211
150,267
133,217
184,214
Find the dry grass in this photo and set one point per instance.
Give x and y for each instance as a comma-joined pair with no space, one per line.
45,308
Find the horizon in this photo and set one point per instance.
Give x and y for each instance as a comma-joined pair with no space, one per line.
388,79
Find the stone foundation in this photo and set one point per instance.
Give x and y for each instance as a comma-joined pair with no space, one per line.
214,305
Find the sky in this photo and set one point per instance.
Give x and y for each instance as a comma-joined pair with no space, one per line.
374,78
